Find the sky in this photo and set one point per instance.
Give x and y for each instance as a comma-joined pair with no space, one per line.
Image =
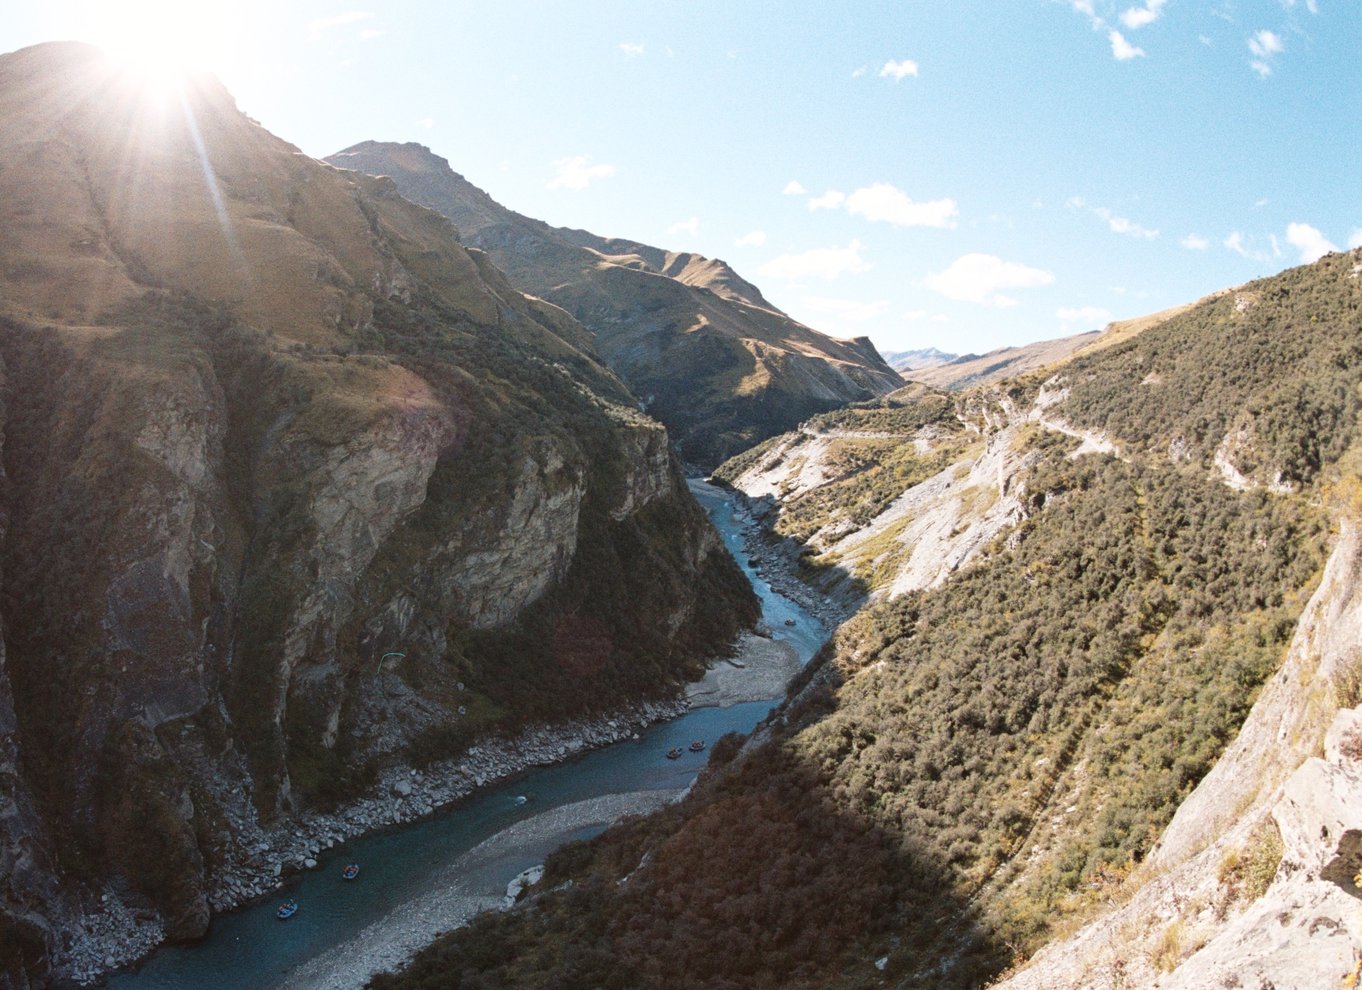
958,174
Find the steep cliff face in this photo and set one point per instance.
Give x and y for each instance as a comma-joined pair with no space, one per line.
277,451
712,359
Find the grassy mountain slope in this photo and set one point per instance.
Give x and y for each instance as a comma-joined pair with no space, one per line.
1003,745
265,422
707,354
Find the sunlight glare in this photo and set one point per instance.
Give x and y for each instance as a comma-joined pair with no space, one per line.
164,41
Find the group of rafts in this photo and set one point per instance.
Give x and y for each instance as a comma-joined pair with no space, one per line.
290,907
675,752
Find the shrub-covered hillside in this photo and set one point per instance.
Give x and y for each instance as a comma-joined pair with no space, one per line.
968,769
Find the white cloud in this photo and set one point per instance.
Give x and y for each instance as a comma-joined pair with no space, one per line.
1122,225
1087,315
858,72
426,122
793,188
690,226
755,238
1264,45
844,310
1235,242
1195,242
896,70
369,34
577,172
1355,239
632,48
1138,17
1312,244
1117,224
321,25
884,203
919,315
981,278
830,200
1084,7
1122,49
824,263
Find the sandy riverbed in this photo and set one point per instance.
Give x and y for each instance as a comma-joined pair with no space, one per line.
767,666
475,882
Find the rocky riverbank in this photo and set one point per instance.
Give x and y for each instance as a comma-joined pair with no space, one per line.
775,559
114,934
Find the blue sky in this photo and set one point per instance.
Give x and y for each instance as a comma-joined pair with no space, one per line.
964,175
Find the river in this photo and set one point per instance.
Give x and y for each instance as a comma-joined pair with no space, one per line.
427,877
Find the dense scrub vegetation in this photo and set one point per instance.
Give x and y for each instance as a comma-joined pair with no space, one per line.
1275,365
980,763
936,734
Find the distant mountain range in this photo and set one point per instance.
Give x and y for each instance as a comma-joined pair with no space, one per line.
927,357
703,349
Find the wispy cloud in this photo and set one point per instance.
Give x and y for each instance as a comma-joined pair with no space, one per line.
921,315
754,238
1085,8
632,48
1195,242
898,69
1091,316
830,200
1263,46
1137,17
317,28
794,188
426,122
1306,239
690,226
578,172
823,263
1123,50
1236,242
883,203
982,278
1116,224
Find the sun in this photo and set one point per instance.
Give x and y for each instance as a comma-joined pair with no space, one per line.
162,42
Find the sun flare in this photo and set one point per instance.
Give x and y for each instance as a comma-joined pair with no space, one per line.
162,41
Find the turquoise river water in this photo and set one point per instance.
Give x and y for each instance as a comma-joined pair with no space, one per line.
248,949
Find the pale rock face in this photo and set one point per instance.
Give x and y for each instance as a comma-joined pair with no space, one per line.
650,477
531,547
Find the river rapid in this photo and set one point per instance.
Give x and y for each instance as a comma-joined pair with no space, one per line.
428,877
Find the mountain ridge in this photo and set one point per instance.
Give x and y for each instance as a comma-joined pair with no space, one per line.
702,348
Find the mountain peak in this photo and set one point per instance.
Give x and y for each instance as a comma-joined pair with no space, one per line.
700,345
